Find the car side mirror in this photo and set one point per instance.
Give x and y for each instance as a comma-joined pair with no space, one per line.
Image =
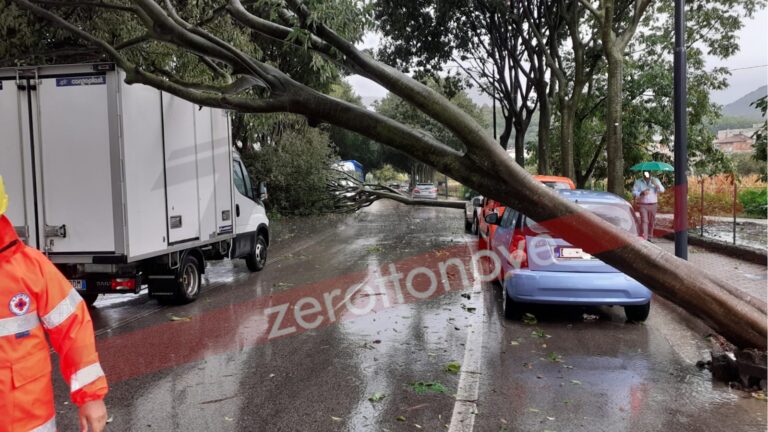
262,191
492,219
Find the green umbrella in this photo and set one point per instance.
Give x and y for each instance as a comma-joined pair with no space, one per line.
652,166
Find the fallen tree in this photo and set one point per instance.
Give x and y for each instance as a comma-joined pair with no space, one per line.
349,194
250,85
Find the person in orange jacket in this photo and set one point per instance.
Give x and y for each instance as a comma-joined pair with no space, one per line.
35,300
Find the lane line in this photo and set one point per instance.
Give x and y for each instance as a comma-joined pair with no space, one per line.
465,408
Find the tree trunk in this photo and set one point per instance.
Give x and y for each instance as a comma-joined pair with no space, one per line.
613,123
545,118
520,146
507,132
567,118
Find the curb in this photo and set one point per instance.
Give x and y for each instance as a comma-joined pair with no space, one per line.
744,253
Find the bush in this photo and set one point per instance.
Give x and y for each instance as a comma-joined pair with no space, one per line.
296,168
755,201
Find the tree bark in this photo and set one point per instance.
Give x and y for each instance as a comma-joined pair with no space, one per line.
567,119
520,146
545,119
613,137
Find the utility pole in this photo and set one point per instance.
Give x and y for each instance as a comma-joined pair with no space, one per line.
681,135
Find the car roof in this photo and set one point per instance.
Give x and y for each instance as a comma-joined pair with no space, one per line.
551,178
583,195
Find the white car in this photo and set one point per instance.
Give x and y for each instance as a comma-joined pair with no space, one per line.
424,191
471,213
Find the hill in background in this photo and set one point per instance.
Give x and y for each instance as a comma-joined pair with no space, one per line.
741,107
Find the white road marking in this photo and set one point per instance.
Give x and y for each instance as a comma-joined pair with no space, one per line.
465,408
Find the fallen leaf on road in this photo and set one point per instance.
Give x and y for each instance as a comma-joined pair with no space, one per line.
336,419
229,419
469,309
529,319
428,387
533,410
575,382
400,418
376,397
452,367
550,418
173,317
539,333
759,395
466,296
514,343
555,357
590,317
375,249
109,420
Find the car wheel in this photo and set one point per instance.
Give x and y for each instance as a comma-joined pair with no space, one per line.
467,225
89,298
512,309
637,313
256,260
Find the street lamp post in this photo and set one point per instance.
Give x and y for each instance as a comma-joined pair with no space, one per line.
681,135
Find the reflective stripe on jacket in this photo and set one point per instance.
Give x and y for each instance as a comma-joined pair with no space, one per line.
35,300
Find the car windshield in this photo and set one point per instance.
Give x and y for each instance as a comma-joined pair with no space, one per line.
618,215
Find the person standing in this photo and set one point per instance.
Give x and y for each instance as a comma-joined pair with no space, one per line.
645,191
37,301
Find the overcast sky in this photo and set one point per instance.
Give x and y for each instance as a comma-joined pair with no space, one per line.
749,67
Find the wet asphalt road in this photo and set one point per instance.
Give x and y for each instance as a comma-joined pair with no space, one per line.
212,365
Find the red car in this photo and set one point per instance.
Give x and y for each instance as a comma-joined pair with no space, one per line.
485,231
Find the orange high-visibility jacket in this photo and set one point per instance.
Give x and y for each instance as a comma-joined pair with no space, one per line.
35,300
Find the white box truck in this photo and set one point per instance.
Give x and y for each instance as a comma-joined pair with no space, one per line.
124,186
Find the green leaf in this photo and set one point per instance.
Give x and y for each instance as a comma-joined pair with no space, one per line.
452,367
529,319
422,387
376,397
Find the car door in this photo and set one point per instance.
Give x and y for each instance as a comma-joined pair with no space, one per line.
502,237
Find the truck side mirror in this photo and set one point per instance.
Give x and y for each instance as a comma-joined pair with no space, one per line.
262,192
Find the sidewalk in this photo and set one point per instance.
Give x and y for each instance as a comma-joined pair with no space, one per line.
748,276
669,216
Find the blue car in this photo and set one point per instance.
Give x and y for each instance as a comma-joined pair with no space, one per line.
538,268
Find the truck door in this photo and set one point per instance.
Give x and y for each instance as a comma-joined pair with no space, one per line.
18,161
60,143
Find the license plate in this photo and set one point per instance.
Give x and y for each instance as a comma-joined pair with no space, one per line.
78,284
573,253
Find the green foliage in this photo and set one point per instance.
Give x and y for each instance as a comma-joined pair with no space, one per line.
295,167
745,164
755,202
395,108
352,146
387,174
761,136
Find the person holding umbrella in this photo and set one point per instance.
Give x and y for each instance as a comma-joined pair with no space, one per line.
645,191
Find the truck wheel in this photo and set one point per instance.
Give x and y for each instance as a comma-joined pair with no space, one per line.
637,313
187,283
257,259
89,298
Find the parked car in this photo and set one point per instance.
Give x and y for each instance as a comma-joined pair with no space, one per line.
471,209
424,191
541,269
556,182
485,231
